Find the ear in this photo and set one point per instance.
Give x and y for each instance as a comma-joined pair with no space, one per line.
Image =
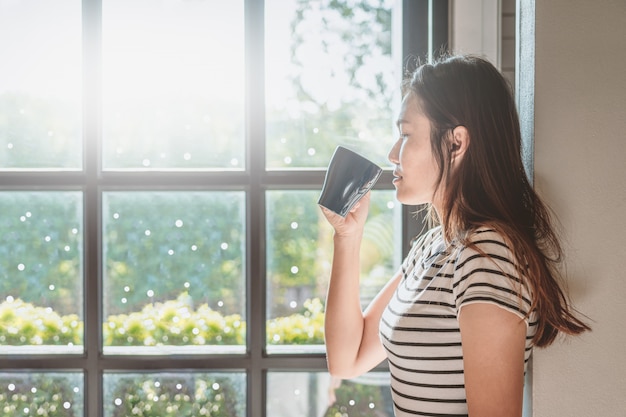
460,142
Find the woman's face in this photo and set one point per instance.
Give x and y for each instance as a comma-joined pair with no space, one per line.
416,170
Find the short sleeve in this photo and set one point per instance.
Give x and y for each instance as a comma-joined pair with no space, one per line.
485,273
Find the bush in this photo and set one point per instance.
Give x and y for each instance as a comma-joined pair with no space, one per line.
306,328
24,324
172,323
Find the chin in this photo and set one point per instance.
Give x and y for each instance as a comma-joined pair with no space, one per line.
410,200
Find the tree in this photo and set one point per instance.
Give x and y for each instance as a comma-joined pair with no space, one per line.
343,84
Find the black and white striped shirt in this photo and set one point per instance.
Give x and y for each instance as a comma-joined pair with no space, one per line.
419,328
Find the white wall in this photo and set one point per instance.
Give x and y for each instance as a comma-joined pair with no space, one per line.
475,28
580,168
487,28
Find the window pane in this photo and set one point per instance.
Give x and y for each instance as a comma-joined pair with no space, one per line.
174,394
40,85
41,275
174,271
41,394
317,394
173,84
330,80
299,254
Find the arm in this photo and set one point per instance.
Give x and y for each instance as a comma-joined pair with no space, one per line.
352,341
493,356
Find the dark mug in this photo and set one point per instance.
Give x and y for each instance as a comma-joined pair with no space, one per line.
348,178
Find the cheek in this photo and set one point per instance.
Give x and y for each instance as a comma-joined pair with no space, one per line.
425,176
433,167
419,163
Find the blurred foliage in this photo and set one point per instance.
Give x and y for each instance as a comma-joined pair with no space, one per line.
163,395
295,249
363,26
49,395
299,247
343,83
143,283
306,328
175,396
171,323
174,323
358,400
41,257
158,244
22,323
293,228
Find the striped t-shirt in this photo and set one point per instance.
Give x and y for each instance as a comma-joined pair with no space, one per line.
420,330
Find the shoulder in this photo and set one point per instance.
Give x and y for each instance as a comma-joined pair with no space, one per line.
485,255
483,244
486,270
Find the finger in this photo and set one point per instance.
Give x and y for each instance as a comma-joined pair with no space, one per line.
324,209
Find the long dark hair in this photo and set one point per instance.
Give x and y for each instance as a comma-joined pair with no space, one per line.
490,186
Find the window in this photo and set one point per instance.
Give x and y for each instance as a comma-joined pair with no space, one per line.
160,164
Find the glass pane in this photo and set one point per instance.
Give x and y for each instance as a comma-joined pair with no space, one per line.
332,78
299,254
317,394
174,271
173,84
41,272
175,394
40,85
41,394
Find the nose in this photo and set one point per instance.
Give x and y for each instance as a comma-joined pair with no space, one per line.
394,153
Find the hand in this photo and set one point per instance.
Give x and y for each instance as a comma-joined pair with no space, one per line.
353,223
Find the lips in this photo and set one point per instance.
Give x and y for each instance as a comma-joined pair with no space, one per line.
397,175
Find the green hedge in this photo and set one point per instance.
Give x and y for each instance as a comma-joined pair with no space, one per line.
174,322
25,324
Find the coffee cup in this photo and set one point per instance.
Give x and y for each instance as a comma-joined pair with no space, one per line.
348,178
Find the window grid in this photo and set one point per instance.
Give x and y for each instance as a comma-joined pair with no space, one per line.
254,181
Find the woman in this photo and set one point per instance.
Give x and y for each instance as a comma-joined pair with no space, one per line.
476,293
